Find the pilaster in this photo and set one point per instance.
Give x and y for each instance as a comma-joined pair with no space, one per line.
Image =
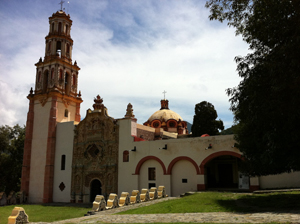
27,147
49,168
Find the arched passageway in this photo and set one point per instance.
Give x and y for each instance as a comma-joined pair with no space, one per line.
96,189
222,172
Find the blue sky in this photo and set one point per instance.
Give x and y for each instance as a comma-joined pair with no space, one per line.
128,52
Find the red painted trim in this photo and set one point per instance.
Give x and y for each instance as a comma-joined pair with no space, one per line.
156,121
137,139
139,165
77,115
172,120
182,158
27,148
253,188
201,187
50,154
217,154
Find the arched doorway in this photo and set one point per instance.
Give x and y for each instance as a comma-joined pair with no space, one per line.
222,172
96,189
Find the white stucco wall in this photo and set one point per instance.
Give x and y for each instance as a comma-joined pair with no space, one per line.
38,151
284,180
181,152
183,169
192,148
143,177
61,107
64,146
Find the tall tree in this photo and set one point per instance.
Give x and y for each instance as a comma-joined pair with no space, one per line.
205,120
266,103
11,157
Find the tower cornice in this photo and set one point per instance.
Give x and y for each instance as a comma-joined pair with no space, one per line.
60,14
45,96
57,60
59,36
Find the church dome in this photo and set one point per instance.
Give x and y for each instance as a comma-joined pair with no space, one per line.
167,119
165,114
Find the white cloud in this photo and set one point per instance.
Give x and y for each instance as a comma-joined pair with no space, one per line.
131,51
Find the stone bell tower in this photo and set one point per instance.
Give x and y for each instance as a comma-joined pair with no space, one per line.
55,99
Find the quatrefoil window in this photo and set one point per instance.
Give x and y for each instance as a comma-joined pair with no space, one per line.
93,151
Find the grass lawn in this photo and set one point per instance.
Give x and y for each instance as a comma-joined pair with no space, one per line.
44,213
224,202
200,202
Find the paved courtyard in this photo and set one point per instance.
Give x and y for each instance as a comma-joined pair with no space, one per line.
109,216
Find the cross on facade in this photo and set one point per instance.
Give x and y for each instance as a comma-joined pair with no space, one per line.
61,5
164,92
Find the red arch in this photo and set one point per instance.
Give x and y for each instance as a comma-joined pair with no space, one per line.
139,165
217,154
182,158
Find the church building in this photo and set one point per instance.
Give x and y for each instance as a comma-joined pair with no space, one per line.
67,159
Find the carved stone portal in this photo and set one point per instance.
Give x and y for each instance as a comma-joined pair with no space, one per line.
95,154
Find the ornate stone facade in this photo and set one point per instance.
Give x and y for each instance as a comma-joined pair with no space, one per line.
95,154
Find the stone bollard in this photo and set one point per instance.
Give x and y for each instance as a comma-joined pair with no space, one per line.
18,216
124,199
135,197
161,192
153,193
99,204
112,201
145,195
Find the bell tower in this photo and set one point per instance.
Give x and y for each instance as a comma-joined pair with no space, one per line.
55,99
56,73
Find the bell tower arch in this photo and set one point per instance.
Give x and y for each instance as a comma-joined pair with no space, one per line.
55,92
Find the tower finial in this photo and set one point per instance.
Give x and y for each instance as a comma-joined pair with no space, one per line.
98,103
61,5
164,92
129,111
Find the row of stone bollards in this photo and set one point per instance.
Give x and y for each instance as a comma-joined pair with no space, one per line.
136,197
19,215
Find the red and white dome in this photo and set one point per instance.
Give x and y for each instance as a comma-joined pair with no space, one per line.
167,119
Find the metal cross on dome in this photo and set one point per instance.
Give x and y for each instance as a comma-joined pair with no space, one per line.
164,92
61,5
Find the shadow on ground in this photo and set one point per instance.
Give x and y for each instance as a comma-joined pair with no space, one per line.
278,203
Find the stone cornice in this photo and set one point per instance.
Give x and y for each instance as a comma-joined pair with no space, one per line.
45,96
58,36
58,61
61,15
